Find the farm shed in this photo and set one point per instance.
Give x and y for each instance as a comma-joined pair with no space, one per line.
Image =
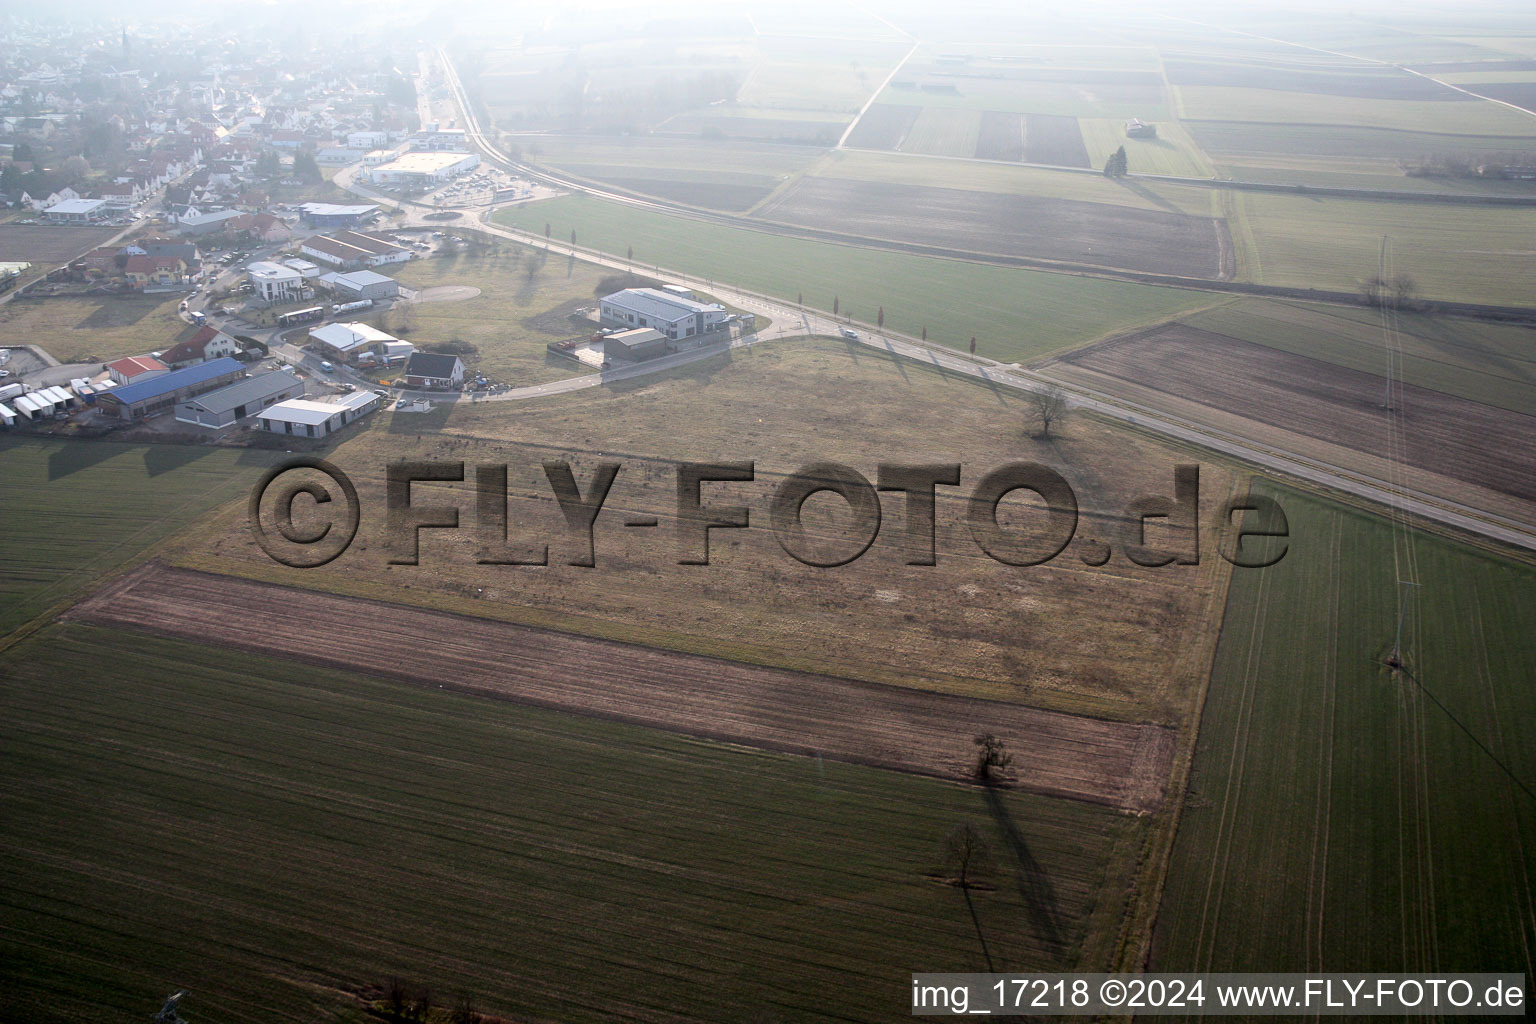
151,397
227,406
304,418
635,345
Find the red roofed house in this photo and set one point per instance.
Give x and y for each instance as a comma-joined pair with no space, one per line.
144,271
136,368
208,343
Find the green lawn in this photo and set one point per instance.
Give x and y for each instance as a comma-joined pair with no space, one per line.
266,835
75,510
1344,818
1014,314
1452,251
1473,359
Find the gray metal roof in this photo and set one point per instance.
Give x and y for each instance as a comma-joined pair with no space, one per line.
244,392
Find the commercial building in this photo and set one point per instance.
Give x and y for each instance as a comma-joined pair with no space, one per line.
227,406
207,223
438,139
330,215
275,282
361,284
355,249
418,168
347,342
435,371
304,418
635,344
136,368
146,398
78,211
676,316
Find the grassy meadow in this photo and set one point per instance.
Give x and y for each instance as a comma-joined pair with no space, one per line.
79,329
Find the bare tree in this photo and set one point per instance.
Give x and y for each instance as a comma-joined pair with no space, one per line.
1050,405
991,755
464,1012
1404,290
966,853
394,998
880,318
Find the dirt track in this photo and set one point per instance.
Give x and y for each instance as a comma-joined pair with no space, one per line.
1119,764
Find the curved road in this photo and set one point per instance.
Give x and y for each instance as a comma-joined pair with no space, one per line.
790,321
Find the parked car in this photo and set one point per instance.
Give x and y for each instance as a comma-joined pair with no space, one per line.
849,332
326,366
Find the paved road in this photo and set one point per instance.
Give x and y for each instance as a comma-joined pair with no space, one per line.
791,321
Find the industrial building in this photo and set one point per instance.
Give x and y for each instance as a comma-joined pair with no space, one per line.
347,342
419,169
635,344
77,211
304,418
675,316
361,284
355,249
331,215
143,399
229,405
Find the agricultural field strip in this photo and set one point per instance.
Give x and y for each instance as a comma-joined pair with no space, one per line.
1119,764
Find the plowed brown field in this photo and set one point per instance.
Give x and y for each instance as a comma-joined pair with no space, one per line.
1120,764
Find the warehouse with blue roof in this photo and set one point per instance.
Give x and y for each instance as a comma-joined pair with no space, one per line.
151,397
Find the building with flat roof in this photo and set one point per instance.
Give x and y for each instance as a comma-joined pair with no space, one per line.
143,399
348,341
275,282
227,406
419,168
302,417
78,211
331,215
673,315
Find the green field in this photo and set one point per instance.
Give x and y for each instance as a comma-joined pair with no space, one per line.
267,836
75,510
1453,251
1344,818
88,328
1014,314
1473,359
1172,152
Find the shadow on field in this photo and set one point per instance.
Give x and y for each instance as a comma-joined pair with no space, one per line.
1147,194
164,458
73,456
1035,887
119,312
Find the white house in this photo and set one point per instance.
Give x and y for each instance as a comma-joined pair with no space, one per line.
275,282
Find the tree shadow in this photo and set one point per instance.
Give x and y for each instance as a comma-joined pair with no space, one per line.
1035,888
1147,194
966,892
